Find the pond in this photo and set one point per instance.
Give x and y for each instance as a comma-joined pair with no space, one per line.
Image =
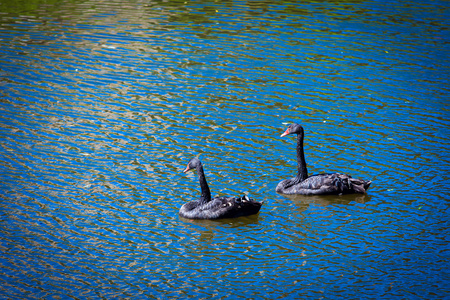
103,104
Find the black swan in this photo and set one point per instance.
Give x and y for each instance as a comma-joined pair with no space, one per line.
219,207
322,184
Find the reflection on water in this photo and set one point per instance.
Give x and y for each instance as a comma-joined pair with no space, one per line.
103,103
303,202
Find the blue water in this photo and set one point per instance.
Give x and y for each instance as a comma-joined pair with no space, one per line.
104,103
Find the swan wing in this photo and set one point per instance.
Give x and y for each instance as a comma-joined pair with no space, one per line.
220,207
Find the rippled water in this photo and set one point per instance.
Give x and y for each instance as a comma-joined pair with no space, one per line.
103,103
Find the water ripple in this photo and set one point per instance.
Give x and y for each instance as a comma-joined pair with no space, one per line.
103,104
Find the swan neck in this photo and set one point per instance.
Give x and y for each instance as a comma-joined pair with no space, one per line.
206,193
301,162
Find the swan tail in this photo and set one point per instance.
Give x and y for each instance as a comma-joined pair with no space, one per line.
359,185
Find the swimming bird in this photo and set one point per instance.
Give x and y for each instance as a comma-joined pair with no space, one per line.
321,184
218,207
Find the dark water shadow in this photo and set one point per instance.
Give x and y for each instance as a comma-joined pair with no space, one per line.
208,235
227,222
303,202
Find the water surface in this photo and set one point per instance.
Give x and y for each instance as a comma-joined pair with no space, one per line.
104,103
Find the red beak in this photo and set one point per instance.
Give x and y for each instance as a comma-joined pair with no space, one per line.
285,133
187,169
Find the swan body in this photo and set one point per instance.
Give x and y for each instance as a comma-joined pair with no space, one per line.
218,207
321,184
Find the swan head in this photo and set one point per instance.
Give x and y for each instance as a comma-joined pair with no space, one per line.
193,164
294,128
